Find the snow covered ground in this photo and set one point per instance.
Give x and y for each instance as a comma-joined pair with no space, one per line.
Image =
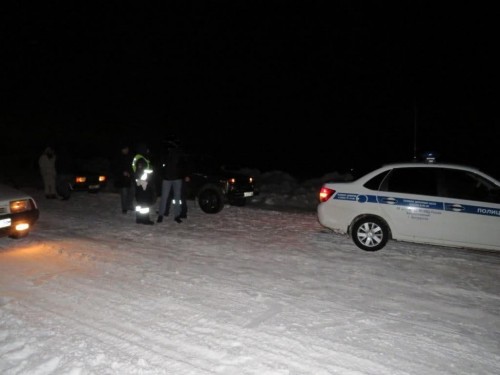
261,289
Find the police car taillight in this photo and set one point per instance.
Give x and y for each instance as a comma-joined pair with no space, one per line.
325,194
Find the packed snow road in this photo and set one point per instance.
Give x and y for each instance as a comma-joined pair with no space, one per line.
245,291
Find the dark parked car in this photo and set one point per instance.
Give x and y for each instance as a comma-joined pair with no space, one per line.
213,185
82,174
214,189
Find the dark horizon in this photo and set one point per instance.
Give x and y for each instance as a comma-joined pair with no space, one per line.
307,89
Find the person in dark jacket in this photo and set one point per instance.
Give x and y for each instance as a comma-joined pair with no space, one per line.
173,174
124,180
144,185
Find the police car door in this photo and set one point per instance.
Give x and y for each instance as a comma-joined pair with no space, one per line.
408,198
472,209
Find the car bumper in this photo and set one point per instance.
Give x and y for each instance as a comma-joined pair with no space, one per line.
241,194
88,187
9,222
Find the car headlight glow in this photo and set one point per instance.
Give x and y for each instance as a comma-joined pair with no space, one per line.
80,180
19,206
22,226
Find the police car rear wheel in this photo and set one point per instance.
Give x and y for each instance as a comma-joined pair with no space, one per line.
370,234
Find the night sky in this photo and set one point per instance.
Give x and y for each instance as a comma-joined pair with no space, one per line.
306,87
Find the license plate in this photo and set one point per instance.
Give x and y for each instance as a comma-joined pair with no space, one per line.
93,187
248,194
5,223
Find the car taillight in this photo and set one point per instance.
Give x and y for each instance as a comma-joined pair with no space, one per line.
325,194
80,180
102,178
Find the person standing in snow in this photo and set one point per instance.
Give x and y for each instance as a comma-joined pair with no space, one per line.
173,174
184,207
47,165
144,185
124,178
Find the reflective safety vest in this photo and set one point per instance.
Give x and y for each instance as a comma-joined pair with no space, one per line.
147,171
136,158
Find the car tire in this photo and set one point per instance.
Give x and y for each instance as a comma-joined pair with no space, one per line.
370,233
63,189
210,199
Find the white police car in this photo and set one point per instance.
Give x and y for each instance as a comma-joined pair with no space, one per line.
18,212
441,204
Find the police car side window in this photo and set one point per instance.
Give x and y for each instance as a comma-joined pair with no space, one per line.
421,181
375,182
467,185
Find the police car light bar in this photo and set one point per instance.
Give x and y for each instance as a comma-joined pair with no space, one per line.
430,157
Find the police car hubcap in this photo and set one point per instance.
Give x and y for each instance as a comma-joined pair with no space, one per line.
370,234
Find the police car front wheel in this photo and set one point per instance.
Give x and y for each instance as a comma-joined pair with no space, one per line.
370,233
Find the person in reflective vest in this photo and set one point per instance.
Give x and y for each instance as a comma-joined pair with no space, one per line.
144,189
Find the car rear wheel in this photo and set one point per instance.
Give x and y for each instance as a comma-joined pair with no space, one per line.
370,233
210,200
